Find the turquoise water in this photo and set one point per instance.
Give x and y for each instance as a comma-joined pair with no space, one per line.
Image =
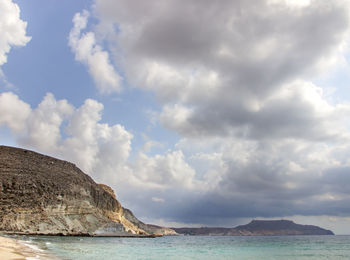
198,247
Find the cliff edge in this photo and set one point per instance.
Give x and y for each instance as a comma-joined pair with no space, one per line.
43,195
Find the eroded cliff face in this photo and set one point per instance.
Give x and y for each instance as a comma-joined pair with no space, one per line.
43,195
129,218
151,229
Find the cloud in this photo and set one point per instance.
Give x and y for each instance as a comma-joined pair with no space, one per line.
57,128
164,171
224,68
236,80
43,123
158,200
249,179
13,29
202,181
14,112
297,110
92,55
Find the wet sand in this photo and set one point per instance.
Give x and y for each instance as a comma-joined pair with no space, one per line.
12,249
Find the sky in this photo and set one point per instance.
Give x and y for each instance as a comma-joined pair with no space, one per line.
196,112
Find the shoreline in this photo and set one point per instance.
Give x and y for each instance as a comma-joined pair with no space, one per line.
126,235
15,249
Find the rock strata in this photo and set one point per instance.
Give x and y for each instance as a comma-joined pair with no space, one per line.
151,229
44,195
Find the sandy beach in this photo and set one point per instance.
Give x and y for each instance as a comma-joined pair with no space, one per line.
16,250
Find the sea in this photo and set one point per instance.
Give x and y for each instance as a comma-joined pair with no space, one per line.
195,247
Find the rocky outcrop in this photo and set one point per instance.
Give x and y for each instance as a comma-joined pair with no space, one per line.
130,217
151,229
43,195
258,228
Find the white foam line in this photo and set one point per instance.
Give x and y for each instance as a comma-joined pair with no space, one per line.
39,253
34,248
30,245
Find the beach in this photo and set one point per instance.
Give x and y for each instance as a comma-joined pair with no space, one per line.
12,249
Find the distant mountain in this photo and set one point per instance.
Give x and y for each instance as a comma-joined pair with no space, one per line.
258,228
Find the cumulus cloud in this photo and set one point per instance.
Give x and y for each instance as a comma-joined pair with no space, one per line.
249,179
218,70
202,181
236,80
57,128
164,171
14,112
43,123
297,110
13,29
91,54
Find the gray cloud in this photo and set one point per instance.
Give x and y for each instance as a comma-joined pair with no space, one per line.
253,179
253,49
250,199
235,80
240,179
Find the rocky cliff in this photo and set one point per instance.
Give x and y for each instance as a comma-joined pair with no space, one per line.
43,195
151,229
258,228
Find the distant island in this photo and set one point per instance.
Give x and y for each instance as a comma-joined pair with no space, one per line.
257,228
43,195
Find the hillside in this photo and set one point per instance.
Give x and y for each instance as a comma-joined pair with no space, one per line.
43,195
